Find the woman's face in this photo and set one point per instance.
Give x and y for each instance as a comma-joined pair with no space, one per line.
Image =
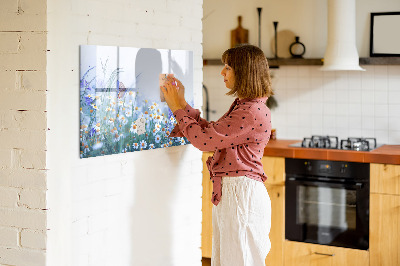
229,76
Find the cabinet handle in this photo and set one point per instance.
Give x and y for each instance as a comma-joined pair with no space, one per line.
324,254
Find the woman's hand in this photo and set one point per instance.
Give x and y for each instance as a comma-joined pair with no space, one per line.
181,92
172,94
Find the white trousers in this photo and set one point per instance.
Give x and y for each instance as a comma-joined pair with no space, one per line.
241,223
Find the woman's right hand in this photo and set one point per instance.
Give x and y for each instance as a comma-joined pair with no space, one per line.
181,92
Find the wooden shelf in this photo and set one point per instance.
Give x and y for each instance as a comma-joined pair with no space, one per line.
274,63
380,61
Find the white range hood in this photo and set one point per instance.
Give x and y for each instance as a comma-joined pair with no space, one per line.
341,51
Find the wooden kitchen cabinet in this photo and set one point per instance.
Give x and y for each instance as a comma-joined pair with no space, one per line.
385,178
305,254
385,215
206,225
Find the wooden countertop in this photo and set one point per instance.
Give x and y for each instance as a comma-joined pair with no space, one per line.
389,154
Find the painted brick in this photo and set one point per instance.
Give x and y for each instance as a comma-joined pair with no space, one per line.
16,256
23,218
8,237
30,80
5,158
8,6
9,42
16,139
31,56
8,197
7,80
23,178
25,22
33,159
36,7
33,239
22,100
33,120
33,199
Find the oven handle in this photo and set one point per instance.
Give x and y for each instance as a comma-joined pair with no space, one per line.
357,185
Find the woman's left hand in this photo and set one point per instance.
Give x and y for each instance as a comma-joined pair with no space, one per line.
171,95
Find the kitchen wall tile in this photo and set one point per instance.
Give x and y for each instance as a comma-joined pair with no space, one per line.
355,96
394,137
394,97
394,110
304,72
367,81
355,109
329,109
303,82
394,71
394,82
342,96
316,72
354,122
342,80
381,136
342,109
381,123
355,132
367,110
381,97
381,110
367,96
394,123
328,74
342,122
367,133
291,71
380,71
329,122
354,80
381,84
368,123
292,83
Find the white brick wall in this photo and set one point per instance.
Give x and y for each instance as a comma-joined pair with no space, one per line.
23,132
140,208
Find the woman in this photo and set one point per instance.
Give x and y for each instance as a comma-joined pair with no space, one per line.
242,211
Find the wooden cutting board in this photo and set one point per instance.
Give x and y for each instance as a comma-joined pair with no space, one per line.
239,35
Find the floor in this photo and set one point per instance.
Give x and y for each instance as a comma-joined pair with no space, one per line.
206,261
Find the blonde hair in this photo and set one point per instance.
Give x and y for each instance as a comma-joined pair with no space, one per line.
250,66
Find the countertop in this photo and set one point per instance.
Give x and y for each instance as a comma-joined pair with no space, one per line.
388,154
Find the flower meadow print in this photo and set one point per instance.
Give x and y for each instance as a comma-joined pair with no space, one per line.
120,106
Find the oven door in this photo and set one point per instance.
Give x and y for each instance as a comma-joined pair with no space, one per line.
327,213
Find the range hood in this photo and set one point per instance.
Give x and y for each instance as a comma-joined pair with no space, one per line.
341,51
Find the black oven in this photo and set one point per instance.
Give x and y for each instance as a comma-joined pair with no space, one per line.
327,202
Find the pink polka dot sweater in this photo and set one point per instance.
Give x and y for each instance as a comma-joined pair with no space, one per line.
238,139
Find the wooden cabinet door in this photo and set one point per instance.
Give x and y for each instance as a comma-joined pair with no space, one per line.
277,233
384,236
274,168
385,178
206,226
304,254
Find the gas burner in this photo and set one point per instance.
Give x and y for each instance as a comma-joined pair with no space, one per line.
358,144
327,142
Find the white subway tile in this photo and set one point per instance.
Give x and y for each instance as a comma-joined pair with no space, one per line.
394,137
367,96
381,110
381,97
394,110
394,123
394,97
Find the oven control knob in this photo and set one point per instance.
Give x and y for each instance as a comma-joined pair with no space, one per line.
343,168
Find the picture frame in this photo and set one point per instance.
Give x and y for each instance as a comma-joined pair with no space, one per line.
384,36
